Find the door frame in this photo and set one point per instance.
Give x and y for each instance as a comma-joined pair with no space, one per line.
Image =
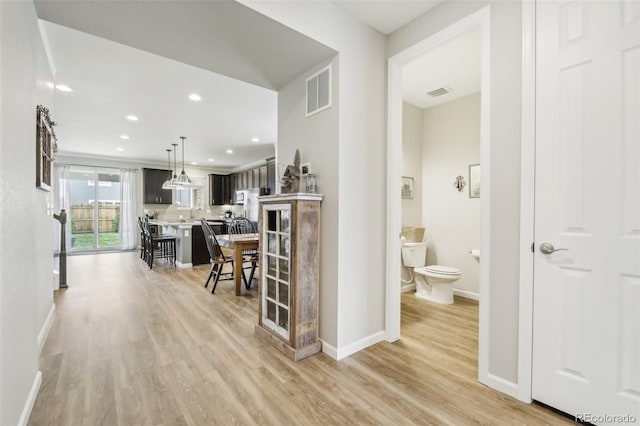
527,201
481,19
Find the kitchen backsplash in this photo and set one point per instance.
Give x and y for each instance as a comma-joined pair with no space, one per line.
171,212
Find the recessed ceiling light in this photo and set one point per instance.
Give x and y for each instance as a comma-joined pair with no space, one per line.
255,140
229,151
132,118
210,159
193,163
64,88
125,137
195,97
120,149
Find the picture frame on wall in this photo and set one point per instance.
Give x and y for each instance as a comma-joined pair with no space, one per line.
46,146
407,187
474,181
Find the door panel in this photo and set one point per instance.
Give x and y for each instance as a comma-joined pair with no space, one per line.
586,356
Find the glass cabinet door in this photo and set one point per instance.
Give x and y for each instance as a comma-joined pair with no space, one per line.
276,255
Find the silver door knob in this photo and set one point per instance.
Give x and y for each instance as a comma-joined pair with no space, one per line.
548,248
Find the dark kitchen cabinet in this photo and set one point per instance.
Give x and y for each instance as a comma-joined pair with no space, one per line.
152,183
262,177
233,187
271,176
199,251
255,173
248,178
219,190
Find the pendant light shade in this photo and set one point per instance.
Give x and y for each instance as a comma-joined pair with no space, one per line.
183,179
167,183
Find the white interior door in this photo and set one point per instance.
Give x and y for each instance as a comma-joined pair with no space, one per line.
586,346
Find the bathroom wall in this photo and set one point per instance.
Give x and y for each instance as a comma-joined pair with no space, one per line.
451,142
412,162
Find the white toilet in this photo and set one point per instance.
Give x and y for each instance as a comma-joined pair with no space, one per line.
433,282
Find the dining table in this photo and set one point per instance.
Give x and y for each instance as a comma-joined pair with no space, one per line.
239,243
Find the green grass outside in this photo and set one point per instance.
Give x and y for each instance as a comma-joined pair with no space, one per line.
105,239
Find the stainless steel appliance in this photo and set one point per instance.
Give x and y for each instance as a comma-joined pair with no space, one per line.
250,201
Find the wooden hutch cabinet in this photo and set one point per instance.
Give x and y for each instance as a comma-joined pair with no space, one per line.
289,227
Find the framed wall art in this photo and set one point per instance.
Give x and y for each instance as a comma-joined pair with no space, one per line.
46,146
407,187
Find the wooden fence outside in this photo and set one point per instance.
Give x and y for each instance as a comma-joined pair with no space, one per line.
83,219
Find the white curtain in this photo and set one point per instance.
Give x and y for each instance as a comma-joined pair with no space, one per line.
61,200
128,233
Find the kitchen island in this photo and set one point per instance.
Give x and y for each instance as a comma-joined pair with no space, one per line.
191,248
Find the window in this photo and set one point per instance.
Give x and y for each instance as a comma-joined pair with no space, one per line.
191,197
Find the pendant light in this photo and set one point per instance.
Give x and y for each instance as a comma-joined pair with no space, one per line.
183,179
167,183
174,179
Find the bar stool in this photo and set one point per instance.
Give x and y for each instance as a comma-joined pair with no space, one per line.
166,245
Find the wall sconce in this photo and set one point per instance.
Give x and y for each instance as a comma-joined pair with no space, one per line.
459,183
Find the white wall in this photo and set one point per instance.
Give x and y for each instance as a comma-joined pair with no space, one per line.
26,260
452,220
505,63
412,163
317,138
359,166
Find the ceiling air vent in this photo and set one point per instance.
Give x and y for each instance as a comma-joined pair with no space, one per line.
319,91
439,91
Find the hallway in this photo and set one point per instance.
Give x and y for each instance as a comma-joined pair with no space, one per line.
134,346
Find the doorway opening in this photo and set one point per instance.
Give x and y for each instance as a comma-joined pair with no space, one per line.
479,21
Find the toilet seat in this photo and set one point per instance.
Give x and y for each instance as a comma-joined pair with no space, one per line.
444,270
437,269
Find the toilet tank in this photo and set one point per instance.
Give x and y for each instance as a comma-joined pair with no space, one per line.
414,254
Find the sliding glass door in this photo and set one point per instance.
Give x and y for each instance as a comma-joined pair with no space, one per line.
95,208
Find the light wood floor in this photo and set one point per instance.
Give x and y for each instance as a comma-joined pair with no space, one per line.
132,346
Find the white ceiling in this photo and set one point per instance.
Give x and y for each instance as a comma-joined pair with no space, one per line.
145,58
111,80
128,57
455,64
221,36
386,16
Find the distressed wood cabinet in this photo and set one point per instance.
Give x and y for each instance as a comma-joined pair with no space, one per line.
289,227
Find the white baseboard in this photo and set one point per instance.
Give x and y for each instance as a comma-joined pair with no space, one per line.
408,287
500,384
329,350
56,279
31,399
466,294
184,265
44,331
354,347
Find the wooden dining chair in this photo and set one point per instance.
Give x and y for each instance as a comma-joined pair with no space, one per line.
219,256
250,257
143,240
